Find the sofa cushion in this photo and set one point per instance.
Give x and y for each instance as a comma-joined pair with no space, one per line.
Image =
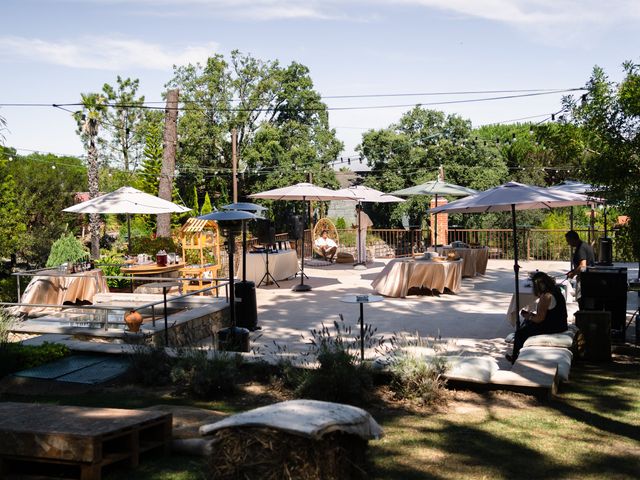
560,356
472,369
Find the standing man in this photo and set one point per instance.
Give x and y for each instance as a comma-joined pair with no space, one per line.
583,257
362,223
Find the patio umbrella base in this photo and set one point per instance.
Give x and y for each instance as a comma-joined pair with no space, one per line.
359,266
301,287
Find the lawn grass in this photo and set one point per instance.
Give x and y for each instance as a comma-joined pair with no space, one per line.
590,431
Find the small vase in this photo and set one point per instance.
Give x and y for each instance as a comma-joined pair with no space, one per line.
133,320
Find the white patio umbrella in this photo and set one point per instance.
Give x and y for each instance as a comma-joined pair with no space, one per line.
434,188
129,201
513,196
361,193
305,192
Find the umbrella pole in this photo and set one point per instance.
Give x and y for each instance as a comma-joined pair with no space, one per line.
129,232
435,220
571,219
244,251
361,262
301,287
516,267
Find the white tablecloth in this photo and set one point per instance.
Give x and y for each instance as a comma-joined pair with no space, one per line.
282,265
475,259
400,275
54,289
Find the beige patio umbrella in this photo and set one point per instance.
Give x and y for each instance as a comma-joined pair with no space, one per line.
305,192
129,201
513,196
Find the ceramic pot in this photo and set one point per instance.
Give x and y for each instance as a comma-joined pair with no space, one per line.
133,320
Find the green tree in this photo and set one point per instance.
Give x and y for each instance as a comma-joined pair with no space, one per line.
88,119
12,217
47,185
124,121
206,205
274,110
609,115
411,151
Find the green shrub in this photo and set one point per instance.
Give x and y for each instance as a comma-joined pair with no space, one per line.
341,223
110,265
67,249
152,245
151,366
205,377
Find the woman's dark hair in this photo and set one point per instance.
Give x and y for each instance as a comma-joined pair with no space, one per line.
542,283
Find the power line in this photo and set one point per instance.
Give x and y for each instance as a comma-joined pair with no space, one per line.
308,109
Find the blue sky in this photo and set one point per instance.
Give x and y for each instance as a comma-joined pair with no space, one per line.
52,50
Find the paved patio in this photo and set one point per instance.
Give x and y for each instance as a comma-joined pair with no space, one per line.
475,317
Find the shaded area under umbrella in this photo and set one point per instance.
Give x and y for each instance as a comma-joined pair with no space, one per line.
129,201
513,196
305,192
434,188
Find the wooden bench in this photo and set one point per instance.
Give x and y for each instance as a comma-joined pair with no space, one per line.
75,442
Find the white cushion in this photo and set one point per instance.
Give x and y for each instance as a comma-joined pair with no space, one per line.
561,340
560,356
472,369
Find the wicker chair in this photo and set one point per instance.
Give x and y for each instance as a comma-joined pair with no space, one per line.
332,233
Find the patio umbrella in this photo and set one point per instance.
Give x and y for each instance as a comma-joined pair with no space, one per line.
305,192
360,193
513,196
129,201
434,188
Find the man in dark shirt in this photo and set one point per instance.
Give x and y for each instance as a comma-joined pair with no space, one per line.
583,257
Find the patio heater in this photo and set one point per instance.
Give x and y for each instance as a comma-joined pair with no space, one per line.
232,338
247,312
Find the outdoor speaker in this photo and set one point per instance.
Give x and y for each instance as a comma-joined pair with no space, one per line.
296,227
266,232
605,289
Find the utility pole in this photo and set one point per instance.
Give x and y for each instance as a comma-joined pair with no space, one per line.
234,164
163,224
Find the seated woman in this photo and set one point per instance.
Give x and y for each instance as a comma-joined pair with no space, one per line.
326,246
550,315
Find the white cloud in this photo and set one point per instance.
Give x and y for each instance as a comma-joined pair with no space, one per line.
543,13
103,53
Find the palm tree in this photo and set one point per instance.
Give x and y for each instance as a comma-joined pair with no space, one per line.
93,107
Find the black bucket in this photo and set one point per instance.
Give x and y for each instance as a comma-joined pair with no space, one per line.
233,339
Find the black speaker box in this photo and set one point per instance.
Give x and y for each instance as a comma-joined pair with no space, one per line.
605,289
266,232
246,308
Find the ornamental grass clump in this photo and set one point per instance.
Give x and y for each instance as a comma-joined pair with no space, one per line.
418,378
339,376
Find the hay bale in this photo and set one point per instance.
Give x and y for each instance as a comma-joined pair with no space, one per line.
270,454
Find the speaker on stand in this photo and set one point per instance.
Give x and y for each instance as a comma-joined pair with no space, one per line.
267,237
296,231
